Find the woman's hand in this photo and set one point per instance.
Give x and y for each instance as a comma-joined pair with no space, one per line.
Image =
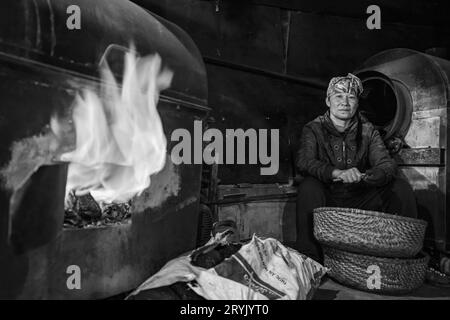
351,175
375,177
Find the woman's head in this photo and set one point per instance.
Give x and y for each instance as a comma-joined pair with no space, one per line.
343,96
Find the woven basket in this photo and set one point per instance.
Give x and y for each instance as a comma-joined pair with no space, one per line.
369,232
397,276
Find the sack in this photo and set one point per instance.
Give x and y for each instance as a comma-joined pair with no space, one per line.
262,269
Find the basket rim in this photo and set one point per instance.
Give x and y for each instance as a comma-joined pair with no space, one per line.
372,214
422,256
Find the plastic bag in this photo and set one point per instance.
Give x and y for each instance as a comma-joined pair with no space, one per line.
261,269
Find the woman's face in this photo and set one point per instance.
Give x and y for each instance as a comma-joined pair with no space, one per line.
342,106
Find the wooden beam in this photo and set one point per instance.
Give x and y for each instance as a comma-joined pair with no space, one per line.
422,156
416,12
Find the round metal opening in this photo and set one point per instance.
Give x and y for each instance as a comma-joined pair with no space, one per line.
386,104
378,103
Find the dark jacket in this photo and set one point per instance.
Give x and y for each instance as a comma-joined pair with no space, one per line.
323,148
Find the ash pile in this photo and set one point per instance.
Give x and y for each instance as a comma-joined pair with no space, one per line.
82,211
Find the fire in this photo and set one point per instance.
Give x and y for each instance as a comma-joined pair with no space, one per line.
120,140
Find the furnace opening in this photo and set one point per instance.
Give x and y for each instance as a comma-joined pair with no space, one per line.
379,103
120,141
85,212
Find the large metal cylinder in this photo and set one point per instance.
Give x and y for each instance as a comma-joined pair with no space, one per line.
43,65
37,30
407,96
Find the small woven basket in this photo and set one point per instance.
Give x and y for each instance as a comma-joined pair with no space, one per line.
369,232
374,274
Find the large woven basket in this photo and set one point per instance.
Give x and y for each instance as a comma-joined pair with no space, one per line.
369,232
396,276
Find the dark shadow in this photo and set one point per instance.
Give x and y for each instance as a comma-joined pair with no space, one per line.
13,274
429,291
289,222
431,208
37,209
325,294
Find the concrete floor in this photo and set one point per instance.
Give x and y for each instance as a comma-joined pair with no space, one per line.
331,290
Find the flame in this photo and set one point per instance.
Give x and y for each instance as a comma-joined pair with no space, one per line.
120,140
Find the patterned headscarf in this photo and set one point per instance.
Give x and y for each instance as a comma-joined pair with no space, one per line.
347,84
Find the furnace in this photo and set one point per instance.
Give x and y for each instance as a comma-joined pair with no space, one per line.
43,67
407,96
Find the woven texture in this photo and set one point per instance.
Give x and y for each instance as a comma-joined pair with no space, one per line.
396,276
369,232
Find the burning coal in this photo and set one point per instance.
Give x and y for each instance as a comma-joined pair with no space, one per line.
120,140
